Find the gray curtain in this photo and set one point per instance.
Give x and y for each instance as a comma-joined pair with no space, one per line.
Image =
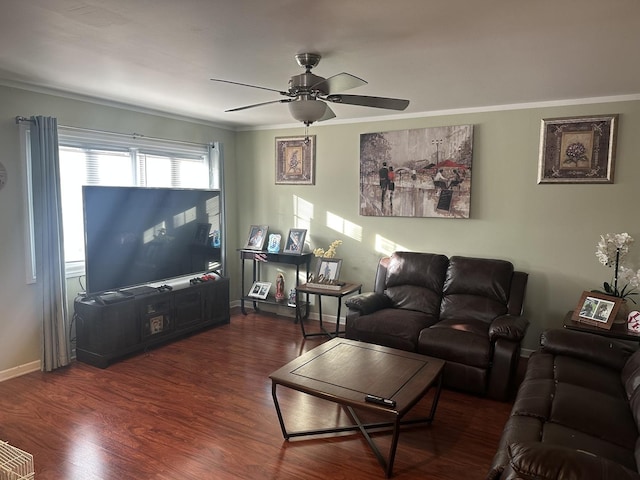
49,243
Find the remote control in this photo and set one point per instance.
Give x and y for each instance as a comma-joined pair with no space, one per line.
382,401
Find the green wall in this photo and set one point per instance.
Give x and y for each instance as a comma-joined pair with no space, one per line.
19,318
549,230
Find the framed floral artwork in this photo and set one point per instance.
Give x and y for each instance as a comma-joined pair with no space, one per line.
578,149
295,160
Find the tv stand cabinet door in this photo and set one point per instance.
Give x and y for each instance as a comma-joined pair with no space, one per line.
104,332
216,302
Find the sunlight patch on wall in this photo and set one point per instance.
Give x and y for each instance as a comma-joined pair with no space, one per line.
387,247
302,213
341,225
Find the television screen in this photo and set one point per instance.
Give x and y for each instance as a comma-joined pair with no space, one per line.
135,235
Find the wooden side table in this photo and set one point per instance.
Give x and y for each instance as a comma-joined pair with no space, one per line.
618,331
346,289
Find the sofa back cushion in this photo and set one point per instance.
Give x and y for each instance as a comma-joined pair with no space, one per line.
414,281
476,288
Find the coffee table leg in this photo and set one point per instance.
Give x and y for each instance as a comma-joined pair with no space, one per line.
280,419
393,447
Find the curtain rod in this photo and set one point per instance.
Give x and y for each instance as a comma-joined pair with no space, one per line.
134,135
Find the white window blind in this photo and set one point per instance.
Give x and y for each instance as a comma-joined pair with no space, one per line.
99,158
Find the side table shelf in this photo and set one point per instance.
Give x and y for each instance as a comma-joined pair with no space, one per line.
259,257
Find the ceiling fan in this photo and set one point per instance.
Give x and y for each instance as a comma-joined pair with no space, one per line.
308,93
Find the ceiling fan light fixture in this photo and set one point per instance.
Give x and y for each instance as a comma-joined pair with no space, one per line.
307,111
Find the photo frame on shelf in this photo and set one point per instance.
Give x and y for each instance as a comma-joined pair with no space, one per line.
596,309
327,271
274,243
295,160
257,237
259,290
295,241
578,149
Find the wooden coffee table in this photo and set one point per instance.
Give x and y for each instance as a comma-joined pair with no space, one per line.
345,371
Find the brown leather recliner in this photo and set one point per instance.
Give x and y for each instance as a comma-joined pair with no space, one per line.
464,310
576,414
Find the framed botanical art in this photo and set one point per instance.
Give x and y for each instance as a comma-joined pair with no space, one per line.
295,160
257,237
295,241
596,309
577,149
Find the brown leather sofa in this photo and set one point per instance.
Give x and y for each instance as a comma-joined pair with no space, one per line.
464,310
576,412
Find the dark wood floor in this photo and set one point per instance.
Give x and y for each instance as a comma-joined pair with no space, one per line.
201,408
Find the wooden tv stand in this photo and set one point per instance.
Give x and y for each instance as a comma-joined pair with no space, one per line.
106,332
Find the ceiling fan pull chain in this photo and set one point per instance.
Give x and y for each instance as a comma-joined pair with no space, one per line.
306,134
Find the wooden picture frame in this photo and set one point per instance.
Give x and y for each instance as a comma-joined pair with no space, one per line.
257,237
296,160
295,241
327,271
259,290
596,309
578,149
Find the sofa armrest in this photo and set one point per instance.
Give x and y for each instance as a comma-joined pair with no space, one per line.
509,327
539,461
369,302
586,346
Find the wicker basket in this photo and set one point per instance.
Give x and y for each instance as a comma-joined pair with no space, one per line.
15,464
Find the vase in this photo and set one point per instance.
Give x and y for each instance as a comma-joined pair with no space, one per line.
623,313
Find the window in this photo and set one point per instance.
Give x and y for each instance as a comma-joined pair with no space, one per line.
99,158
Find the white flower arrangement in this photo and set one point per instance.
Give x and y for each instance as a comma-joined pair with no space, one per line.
330,252
611,251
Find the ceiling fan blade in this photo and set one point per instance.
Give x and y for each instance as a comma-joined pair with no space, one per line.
377,102
284,100
328,114
248,85
338,83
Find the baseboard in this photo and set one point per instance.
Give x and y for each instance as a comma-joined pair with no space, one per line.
525,352
19,370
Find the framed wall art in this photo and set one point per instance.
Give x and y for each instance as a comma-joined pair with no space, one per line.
577,149
295,160
596,309
417,173
295,241
257,237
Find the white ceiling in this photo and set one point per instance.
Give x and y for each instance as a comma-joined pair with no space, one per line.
440,54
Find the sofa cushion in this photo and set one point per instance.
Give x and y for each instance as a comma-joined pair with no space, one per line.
536,461
461,342
391,327
591,376
555,434
414,281
476,287
609,417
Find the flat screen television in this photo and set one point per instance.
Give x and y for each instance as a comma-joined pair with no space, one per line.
137,236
